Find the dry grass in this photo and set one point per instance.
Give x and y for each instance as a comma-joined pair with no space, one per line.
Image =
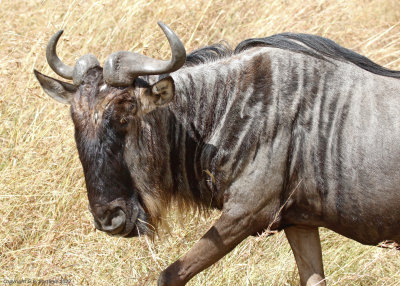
46,230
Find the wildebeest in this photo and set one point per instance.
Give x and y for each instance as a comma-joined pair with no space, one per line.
290,132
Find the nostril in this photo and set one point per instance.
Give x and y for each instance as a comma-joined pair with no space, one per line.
114,221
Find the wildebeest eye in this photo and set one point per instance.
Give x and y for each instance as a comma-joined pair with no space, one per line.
124,110
128,107
125,103
132,107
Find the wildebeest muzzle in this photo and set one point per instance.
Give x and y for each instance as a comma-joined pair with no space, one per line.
117,218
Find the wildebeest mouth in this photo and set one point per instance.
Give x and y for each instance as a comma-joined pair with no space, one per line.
138,224
139,228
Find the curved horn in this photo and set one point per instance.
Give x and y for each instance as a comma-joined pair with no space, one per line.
54,62
121,68
75,73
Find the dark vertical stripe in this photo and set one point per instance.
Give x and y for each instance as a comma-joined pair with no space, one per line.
322,141
340,190
191,160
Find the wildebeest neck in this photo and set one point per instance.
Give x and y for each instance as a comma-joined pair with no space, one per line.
166,164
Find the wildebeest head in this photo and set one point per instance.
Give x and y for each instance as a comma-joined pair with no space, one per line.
104,106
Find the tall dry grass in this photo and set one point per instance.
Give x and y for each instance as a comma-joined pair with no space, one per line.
46,230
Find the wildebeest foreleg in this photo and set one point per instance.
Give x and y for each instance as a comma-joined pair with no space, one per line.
223,236
306,247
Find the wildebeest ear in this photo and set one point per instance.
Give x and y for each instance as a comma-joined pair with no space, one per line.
59,90
163,91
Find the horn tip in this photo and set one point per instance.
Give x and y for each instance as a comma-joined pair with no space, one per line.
57,36
162,25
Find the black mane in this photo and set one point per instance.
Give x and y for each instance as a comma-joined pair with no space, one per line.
312,45
318,47
209,54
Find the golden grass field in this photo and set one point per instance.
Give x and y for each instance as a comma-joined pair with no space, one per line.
46,230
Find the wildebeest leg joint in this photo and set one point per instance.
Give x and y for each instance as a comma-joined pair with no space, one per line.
223,236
